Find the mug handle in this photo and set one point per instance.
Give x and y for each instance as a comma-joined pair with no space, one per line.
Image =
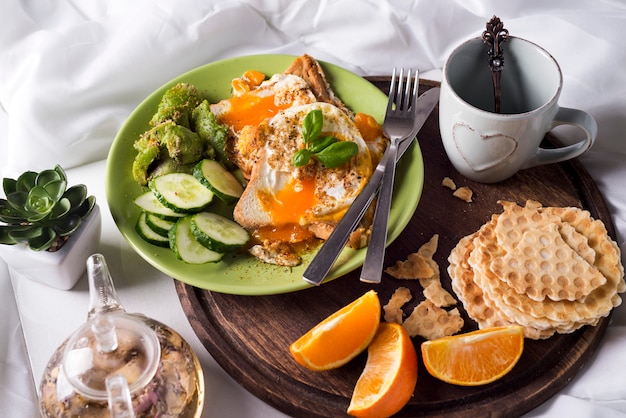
567,116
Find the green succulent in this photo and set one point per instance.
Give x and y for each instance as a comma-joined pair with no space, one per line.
40,211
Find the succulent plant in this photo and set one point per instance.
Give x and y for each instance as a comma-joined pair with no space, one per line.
40,211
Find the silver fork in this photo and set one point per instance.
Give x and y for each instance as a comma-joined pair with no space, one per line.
398,126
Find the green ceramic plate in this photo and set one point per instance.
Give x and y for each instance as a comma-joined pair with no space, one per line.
240,273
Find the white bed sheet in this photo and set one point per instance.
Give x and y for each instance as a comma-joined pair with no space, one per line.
72,71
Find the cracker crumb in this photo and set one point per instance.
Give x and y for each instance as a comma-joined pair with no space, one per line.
415,267
421,266
393,309
428,250
428,319
449,183
434,292
431,322
463,193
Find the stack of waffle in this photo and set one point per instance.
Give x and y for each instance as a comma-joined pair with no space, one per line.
549,269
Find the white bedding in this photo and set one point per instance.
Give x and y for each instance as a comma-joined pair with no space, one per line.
71,72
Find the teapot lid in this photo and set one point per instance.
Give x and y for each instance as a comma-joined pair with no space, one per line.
110,344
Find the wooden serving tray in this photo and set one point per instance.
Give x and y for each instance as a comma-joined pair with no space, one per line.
249,336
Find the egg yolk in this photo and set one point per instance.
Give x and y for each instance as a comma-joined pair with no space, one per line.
369,128
249,80
251,109
285,208
289,204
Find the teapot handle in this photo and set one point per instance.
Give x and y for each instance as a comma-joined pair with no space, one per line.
118,395
102,295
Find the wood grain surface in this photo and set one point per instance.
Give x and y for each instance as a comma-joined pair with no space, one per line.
249,336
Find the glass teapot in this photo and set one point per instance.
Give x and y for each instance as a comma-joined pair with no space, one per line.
119,364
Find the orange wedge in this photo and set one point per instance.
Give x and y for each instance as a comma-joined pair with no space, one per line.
475,358
341,336
388,380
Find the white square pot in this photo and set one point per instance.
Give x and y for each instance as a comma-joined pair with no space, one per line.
60,269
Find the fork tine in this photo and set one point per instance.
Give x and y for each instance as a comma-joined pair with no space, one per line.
416,82
399,99
392,92
410,97
403,91
406,100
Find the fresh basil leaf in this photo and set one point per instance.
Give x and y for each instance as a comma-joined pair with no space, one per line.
312,126
301,158
320,143
337,154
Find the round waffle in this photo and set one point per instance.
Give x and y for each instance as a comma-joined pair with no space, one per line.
543,265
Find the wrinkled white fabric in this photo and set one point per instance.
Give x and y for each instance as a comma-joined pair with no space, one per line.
17,389
72,71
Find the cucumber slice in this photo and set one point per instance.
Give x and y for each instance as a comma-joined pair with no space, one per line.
181,192
217,232
149,203
187,248
149,235
219,180
159,225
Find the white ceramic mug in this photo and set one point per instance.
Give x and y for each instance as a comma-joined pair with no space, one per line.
489,147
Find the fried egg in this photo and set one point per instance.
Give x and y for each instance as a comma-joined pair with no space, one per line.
251,104
283,197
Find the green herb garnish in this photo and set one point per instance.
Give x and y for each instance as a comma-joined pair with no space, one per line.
328,150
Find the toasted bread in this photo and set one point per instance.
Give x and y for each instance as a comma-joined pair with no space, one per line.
309,69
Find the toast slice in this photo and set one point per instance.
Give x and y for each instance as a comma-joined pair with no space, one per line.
309,69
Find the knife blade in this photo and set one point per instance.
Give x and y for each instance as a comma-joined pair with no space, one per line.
323,261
